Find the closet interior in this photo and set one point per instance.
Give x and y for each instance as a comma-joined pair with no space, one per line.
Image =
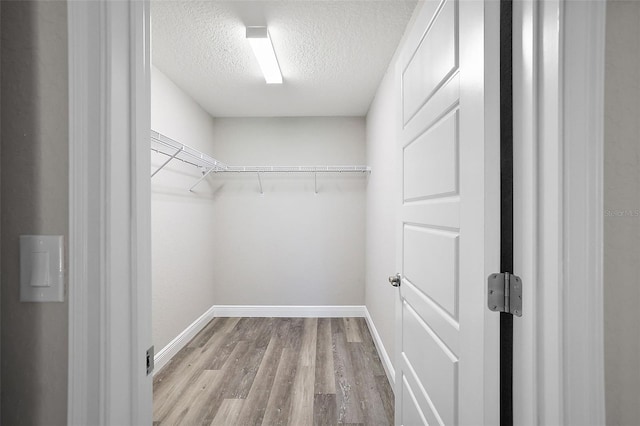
272,211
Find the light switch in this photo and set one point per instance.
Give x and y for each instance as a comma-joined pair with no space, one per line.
41,268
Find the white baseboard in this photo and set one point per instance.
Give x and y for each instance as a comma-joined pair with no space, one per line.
386,361
165,354
330,311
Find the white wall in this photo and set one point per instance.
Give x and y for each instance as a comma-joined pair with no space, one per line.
621,221
289,246
183,224
382,201
35,184
226,244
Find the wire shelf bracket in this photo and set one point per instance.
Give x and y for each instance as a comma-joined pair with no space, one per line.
167,162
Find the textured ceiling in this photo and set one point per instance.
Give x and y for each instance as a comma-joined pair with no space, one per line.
332,54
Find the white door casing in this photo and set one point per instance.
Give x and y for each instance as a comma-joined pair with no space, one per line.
558,138
109,205
447,339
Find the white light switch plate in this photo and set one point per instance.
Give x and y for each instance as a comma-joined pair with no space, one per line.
41,268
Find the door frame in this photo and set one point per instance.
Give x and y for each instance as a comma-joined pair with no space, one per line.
109,213
558,211
558,171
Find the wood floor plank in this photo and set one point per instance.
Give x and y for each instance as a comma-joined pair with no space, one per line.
164,377
192,362
230,381
264,332
348,407
221,344
324,410
241,369
371,350
301,413
366,387
387,397
187,409
352,330
244,376
256,403
205,334
281,330
241,328
182,378
250,328
228,413
229,324
198,412
220,351
279,404
293,338
308,344
325,382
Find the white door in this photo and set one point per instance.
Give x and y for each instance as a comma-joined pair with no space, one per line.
448,225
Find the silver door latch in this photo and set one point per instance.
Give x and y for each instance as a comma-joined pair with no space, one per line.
149,359
504,293
395,280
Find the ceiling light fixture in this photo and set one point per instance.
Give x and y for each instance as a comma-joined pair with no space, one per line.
263,49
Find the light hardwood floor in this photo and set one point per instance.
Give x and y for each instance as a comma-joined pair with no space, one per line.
275,371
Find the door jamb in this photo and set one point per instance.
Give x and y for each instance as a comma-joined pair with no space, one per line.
583,133
109,211
559,89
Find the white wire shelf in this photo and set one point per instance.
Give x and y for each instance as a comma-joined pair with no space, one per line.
298,169
177,151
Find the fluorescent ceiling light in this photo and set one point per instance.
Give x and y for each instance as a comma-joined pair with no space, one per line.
263,49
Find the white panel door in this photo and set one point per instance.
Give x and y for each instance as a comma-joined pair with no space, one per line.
448,226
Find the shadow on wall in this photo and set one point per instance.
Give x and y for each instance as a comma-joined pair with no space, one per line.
34,192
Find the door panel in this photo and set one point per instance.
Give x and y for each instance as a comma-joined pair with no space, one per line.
448,223
443,101
435,276
411,407
441,323
435,152
434,60
442,211
433,362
